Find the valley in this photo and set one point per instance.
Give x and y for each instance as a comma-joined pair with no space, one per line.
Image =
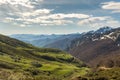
59,39
99,50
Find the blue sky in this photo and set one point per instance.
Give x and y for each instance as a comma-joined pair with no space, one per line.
57,16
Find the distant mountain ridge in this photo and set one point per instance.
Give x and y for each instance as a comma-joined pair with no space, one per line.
103,29
62,42
47,41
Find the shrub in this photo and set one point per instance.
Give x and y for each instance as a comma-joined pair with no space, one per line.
48,58
5,65
82,78
101,78
33,71
36,64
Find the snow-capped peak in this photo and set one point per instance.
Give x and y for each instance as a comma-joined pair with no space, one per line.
103,29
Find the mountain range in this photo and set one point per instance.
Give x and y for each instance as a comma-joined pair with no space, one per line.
94,55
47,41
99,48
96,48
62,42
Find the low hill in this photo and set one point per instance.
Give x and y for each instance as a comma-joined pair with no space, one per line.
21,61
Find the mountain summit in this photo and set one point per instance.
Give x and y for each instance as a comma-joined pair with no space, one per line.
103,29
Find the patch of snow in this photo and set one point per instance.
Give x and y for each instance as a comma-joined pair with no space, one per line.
95,39
118,45
101,38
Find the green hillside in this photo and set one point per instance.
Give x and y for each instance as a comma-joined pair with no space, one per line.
102,74
21,61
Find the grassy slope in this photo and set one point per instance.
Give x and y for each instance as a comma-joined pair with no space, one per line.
20,61
108,74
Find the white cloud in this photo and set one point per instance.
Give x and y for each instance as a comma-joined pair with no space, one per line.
35,12
25,12
22,25
41,21
92,20
62,16
99,22
26,3
56,22
57,19
42,17
114,6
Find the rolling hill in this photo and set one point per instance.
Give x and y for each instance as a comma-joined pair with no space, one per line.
22,61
